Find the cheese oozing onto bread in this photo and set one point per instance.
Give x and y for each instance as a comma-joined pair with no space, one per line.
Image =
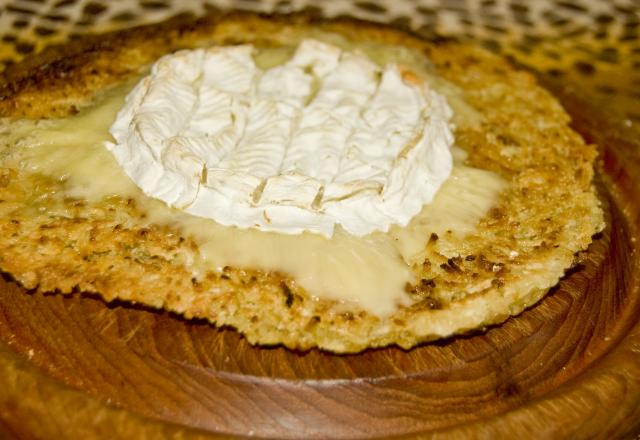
369,272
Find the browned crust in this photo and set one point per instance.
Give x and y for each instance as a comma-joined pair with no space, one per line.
68,73
549,212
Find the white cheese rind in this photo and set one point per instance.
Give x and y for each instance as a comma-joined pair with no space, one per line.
328,138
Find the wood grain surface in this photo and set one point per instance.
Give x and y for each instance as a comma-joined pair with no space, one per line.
74,367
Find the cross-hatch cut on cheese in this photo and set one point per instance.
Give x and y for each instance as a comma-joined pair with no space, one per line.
327,138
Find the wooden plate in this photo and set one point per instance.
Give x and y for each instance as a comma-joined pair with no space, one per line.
75,367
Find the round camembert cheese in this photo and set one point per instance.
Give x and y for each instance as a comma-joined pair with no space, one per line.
328,138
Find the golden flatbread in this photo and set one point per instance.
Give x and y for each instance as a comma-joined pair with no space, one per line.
54,239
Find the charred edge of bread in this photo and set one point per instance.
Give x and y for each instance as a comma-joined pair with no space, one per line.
75,69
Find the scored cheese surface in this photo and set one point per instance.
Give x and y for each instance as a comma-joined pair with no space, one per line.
327,138
371,270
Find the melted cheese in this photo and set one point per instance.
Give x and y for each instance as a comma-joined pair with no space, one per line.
370,271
